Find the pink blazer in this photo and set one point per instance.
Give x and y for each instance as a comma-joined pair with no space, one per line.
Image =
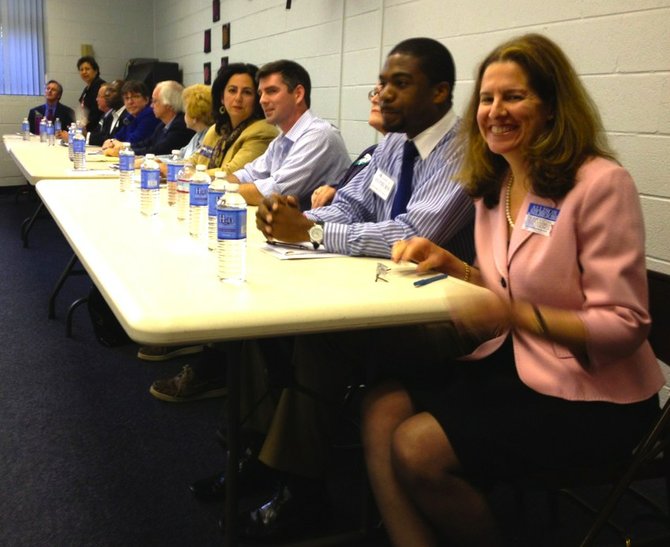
592,262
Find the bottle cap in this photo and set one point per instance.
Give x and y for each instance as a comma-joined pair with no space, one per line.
219,174
200,167
150,156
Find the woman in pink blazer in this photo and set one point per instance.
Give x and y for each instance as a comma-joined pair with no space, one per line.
566,376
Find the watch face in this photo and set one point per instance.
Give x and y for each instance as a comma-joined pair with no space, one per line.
316,233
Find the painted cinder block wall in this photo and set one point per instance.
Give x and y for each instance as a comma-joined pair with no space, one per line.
617,46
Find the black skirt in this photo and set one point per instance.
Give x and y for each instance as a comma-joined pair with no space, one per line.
501,428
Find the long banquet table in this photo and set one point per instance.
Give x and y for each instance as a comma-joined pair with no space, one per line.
162,284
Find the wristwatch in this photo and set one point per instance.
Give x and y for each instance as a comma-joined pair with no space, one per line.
316,234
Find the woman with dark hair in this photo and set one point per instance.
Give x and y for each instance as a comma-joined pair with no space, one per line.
240,133
565,376
90,73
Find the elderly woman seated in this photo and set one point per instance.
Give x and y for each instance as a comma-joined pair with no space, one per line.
197,101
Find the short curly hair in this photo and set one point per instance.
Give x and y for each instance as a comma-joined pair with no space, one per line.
198,103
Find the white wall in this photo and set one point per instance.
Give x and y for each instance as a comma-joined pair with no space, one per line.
117,30
619,47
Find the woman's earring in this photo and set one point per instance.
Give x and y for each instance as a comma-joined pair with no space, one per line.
222,109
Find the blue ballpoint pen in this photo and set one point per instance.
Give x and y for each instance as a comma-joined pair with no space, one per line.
422,282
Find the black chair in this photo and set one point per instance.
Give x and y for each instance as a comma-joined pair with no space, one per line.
650,460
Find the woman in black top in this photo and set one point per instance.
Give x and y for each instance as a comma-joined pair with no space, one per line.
90,73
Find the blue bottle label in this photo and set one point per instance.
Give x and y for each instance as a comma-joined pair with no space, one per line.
213,199
58,125
150,179
50,129
231,223
79,146
172,171
197,194
127,162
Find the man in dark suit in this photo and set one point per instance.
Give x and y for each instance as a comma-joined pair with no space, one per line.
110,102
51,109
172,132
101,131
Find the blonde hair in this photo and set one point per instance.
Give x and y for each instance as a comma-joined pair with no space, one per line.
573,133
198,103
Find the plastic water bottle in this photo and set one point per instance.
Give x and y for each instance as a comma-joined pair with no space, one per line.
150,178
25,129
197,192
216,190
51,137
174,165
43,129
231,224
126,167
58,127
183,198
70,140
79,150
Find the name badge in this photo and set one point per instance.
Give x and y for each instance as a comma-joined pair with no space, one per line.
540,219
382,184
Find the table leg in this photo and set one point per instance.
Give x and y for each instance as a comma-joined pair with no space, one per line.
233,433
27,224
68,271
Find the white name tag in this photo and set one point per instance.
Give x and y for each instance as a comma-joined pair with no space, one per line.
382,184
540,219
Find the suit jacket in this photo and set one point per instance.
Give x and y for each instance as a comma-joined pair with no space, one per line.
592,262
102,130
251,143
137,128
165,139
360,163
64,113
88,102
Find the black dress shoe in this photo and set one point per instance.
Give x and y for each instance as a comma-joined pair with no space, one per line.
286,516
251,474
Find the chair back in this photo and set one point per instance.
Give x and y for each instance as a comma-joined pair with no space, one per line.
659,307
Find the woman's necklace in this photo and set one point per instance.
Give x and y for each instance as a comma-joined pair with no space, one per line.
508,199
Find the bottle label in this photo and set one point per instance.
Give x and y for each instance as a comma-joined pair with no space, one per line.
198,194
212,200
173,169
79,146
127,162
231,223
58,125
150,179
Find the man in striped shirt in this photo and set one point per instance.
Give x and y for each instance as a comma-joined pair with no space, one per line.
415,99
365,219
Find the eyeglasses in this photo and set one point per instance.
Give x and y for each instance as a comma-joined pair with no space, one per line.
381,271
374,92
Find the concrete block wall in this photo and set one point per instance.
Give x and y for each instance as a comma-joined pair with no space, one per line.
620,48
118,31
617,46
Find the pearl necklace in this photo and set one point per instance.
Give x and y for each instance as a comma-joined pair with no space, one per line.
508,210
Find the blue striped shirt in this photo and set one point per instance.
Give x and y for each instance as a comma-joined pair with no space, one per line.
309,155
358,222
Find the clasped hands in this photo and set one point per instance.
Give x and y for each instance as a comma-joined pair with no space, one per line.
280,218
111,147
